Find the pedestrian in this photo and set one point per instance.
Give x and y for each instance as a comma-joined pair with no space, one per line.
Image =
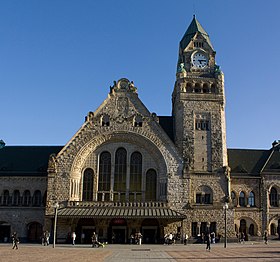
208,242
170,239
242,238
213,237
94,240
15,240
265,237
139,238
186,239
73,238
47,237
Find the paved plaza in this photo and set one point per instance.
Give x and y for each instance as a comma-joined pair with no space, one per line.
250,251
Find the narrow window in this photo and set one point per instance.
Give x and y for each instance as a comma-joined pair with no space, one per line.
120,170
6,198
16,198
251,200
273,197
151,182
135,172
88,185
37,198
242,199
26,200
104,172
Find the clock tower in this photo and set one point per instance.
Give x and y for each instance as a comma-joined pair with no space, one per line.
198,104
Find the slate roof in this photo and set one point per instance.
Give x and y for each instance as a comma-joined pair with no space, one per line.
120,212
253,162
33,160
25,160
193,28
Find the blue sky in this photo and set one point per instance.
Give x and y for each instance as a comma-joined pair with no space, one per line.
59,57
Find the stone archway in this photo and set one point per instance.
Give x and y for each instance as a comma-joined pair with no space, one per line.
35,232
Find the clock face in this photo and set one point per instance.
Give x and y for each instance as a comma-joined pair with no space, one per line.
199,60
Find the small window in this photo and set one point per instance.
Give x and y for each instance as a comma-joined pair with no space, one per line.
202,124
105,120
204,195
138,122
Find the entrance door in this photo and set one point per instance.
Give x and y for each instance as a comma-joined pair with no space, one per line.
5,232
149,235
118,235
88,232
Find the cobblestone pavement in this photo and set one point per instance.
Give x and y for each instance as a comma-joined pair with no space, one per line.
252,251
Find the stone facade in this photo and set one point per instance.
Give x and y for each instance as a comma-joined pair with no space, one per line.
127,170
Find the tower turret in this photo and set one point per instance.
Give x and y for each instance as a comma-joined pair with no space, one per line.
199,103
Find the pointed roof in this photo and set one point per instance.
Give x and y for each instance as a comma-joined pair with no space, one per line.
193,28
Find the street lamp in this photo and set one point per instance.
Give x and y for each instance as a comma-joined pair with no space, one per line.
225,207
56,206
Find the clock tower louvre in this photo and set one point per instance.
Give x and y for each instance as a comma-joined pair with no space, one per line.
199,103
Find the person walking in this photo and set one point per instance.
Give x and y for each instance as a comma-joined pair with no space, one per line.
208,242
15,240
265,237
242,238
73,238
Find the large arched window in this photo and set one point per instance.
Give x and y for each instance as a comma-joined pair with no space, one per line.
16,198
120,170
204,195
37,198
251,200
242,199
151,185
26,199
88,185
273,197
135,172
6,198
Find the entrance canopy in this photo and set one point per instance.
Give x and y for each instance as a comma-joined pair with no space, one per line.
121,210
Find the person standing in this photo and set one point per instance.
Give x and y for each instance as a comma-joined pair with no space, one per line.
94,240
208,242
15,240
186,239
73,238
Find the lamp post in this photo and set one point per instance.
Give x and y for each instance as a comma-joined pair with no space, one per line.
225,207
56,206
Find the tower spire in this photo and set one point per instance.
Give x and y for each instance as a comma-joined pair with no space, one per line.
193,28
